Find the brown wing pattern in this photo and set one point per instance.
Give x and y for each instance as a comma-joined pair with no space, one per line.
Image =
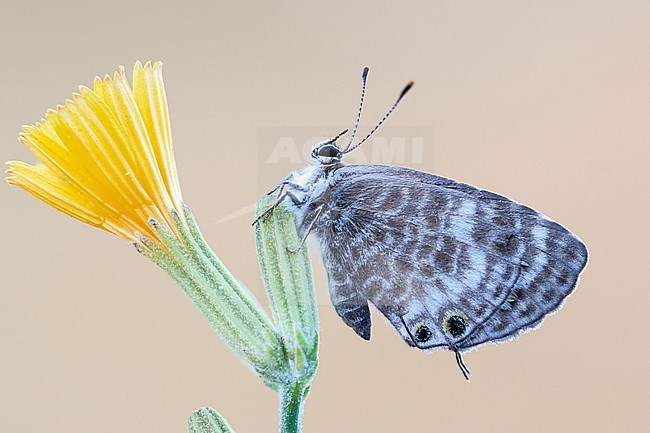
448,264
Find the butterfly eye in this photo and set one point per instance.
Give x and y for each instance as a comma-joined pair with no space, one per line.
422,334
455,325
328,151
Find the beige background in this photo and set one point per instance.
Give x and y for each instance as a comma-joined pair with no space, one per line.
545,102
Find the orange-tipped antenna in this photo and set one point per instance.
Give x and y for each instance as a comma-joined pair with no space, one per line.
401,95
364,77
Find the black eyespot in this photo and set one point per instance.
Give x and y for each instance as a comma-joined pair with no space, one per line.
328,151
422,334
455,325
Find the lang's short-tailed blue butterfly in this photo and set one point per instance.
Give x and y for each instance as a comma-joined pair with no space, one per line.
449,265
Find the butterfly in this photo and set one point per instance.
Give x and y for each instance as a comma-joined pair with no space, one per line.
451,266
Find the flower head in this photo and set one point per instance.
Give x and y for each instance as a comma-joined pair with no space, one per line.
105,156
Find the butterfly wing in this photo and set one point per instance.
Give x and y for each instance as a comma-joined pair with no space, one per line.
448,264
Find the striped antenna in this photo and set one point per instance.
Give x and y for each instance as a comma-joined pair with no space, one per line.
364,77
401,95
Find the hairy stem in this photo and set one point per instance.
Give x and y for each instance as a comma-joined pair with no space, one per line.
292,399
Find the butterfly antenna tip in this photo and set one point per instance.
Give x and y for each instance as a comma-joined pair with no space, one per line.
350,147
405,90
364,78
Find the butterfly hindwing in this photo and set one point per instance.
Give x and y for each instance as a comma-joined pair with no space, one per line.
448,264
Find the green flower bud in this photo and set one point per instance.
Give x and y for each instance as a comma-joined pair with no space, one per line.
207,420
287,275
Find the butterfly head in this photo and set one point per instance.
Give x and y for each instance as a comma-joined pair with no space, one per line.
327,152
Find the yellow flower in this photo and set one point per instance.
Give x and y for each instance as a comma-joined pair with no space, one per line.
106,155
105,158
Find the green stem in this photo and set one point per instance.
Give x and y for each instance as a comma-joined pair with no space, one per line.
229,309
292,399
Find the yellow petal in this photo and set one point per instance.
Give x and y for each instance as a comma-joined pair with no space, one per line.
105,155
149,92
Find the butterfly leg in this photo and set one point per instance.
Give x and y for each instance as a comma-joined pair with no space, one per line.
285,183
283,195
304,237
280,185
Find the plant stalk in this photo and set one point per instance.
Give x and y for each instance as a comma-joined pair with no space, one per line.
292,400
